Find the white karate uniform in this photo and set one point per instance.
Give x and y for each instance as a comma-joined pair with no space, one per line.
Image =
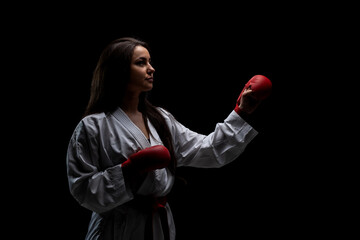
100,143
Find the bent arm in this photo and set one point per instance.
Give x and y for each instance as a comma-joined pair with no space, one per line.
96,190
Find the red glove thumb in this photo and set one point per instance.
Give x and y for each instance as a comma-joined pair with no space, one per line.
261,88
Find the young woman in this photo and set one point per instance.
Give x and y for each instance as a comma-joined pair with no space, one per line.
122,156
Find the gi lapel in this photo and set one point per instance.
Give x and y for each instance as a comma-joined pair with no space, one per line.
121,116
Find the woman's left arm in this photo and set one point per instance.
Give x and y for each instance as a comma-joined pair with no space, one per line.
222,146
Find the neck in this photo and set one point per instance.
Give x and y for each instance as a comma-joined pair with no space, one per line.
130,103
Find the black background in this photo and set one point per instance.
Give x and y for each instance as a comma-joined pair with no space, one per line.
282,186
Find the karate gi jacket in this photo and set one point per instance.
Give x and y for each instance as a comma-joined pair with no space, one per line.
101,142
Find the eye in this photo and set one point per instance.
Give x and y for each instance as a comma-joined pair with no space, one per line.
140,62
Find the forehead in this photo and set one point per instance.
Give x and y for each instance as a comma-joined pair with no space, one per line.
140,51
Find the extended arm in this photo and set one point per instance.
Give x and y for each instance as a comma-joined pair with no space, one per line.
229,138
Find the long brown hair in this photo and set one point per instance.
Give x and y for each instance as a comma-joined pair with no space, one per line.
110,77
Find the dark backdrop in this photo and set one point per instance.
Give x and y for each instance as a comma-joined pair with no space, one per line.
203,57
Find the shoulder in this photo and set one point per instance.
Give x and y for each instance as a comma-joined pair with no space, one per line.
93,118
89,125
162,111
170,120
166,114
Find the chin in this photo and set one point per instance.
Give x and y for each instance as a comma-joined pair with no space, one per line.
148,88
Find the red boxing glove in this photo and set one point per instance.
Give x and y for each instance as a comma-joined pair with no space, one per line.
148,159
261,88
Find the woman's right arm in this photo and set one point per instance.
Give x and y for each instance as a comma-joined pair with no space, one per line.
94,189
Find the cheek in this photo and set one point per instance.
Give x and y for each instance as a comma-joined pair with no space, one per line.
135,74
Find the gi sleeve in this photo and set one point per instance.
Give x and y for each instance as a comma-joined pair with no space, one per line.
96,190
222,146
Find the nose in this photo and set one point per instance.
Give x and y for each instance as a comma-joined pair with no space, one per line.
150,69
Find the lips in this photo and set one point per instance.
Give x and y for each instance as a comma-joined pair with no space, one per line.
150,79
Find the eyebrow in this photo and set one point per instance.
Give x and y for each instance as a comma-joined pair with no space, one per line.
143,58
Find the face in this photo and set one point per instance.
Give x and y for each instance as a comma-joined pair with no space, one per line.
141,71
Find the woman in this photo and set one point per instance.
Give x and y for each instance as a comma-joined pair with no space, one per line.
123,154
